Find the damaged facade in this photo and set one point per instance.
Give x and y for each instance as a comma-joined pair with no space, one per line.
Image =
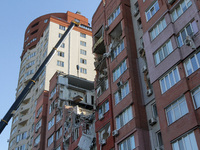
69,115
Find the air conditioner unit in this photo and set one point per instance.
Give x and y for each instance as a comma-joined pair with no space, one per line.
171,1
189,42
152,121
101,116
119,84
103,142
106,27
115,133
149,92
144,68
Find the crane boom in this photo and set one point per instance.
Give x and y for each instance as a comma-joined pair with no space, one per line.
33,80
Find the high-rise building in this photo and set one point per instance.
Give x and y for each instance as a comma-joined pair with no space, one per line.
121,121
147,82
73,57
171,44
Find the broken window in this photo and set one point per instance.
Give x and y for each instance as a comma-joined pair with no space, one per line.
104,133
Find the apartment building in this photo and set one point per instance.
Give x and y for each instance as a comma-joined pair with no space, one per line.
121,121
148,96
74,57
171,45
69,115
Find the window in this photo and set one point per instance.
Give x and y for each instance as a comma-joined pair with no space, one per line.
39,111
124,117
60,63
30,64
187,142
37,140
158,29
61,27
176,110
83,61
58,133
83,43
75,133
29,72
114,15
84,52
169,80
15,119
159,139
61,54
51,107
83,35
182,7
196,97
104,108
119,70
31,55
53,92
21,136
62,45
60,35
50,140
189,30
83,70
121,93
163,52
104,133
14,130
46,20
58,117
22,147
116,51
128,143
38,125
42,84
51,123
154,110
152,11
192,64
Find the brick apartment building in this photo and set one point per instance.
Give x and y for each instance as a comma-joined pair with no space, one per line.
121,121
171,44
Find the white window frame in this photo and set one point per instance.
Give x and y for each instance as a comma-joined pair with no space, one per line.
187,141
119,70
181,38
176,110
117,50
192,64
123,118
128,143
196,97
149,11
157,29
167,76
114,15
122,92
178,11
163,52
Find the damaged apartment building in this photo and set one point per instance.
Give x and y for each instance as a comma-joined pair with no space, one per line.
67,116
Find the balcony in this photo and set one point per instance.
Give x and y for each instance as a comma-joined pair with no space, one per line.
99,47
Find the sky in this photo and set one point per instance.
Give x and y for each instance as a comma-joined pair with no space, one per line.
15,16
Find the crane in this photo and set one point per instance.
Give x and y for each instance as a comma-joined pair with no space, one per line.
33,80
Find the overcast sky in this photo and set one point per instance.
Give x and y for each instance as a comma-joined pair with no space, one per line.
15,16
